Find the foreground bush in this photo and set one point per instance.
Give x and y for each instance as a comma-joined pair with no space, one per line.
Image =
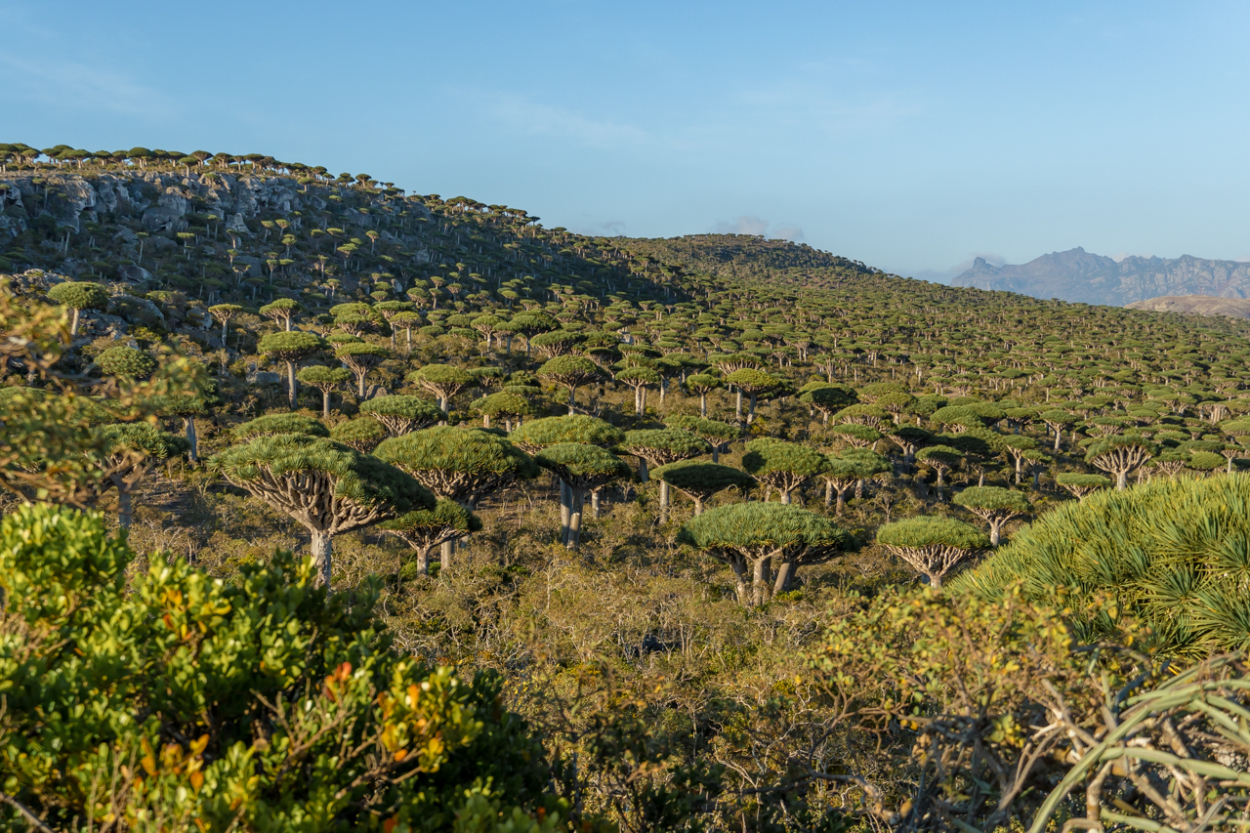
185,703
1175,552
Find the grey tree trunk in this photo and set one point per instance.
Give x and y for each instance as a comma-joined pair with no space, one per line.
575,520
423,561
125,507
325,403
759,582
290,384
663,502
566,508
192,438
444,556
320,549
703,405
785,577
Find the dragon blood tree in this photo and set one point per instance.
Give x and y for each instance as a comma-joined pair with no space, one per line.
463,465
764,544
324,486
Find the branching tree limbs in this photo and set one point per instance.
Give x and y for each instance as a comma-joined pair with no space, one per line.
326,487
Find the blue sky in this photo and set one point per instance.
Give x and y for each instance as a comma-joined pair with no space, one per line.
910,135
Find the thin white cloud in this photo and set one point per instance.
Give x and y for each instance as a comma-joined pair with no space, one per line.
751,224
524,115
792,233
742,225
78,86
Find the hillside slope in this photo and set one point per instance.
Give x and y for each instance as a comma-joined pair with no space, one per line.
1196,304
1077,275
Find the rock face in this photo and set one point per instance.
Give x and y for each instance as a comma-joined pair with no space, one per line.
161,200
1077,275
1196,304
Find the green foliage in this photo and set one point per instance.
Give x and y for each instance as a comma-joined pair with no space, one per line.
361,433
1172,552
753,381
581,464
782,465
758,540
571,428
503,405
80,295
271,424
140,439
463,464
324,378
992,499
125,363
659,446
700,480
290,347
1082,484
402,414
264,704
826,397
932,531
932,545
711,430
570,371
354,477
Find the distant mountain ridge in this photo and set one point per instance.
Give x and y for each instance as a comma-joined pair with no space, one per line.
1077,275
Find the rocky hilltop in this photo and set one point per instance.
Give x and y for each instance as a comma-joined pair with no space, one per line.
1197,305
1077,275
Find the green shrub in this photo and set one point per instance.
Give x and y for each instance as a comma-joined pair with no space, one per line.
183,702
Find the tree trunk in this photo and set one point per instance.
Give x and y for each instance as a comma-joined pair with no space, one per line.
594,503
785,495
192,438
642,470
325,403
663,502
995,527
320,549
444,556
828,493
290,384
572,400
566,508
575,520
73,326
759,582
785,577
703,405
1121,480
125,507
360,386
423,561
